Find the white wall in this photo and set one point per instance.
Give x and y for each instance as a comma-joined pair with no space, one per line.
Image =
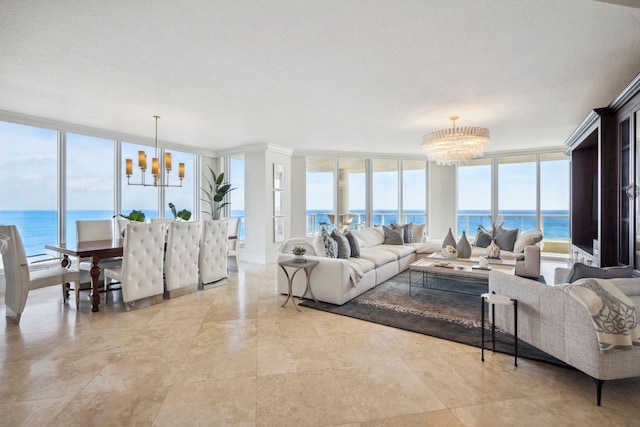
298,196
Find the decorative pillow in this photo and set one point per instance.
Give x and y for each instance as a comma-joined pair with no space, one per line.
407,230
393,237
344,249
353,243
580,271
483,238
529,238
318,245
330,245
418,233
505,239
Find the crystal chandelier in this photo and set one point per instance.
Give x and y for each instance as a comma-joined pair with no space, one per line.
456,145
155,167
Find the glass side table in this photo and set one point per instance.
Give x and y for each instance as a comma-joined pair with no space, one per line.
492,299
307,267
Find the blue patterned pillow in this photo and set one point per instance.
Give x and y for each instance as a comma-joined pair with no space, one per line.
330,245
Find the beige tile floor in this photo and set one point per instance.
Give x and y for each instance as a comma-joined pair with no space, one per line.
231,355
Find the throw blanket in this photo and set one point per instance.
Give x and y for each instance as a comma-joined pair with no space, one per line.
612,312
356,270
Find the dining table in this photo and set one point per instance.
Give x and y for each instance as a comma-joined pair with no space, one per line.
96,250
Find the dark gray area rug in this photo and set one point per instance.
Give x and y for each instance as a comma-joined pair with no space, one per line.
448,309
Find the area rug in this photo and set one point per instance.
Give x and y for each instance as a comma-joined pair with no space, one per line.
447,309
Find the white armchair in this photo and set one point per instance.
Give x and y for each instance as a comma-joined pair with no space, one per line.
181,262
20,280
142,261
213,251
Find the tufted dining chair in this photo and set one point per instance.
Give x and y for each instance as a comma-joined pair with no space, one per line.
142,260
213,251
181,259
233,226
20,280
91,231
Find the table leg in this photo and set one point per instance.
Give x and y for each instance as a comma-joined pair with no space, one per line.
308,289
290,289
482,328
95,282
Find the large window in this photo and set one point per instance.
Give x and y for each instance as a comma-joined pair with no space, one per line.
28,191
89,181
414,191
236,197
554,196
517,192
136,197
320,193
384,191
181,197
474,196
352,193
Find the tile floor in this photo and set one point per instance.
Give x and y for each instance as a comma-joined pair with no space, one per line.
231,355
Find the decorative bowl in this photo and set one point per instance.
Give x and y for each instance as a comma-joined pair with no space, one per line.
450,252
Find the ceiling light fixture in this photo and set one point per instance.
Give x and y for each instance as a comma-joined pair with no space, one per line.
455,145
155,167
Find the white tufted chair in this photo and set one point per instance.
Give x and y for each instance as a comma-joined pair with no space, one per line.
20,280
181,261
233,225
213,251
142,261
91,231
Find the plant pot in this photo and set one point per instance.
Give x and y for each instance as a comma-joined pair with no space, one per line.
299,258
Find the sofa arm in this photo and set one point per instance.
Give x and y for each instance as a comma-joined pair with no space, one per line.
530,265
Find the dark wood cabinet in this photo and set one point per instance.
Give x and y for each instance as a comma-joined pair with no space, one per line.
605,175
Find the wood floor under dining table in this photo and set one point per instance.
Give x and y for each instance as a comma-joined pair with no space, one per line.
96,250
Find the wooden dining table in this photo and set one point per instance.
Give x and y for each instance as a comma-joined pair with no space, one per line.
97,251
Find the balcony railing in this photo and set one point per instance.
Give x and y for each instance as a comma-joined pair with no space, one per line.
553,226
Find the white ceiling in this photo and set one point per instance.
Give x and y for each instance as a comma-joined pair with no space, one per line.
339,75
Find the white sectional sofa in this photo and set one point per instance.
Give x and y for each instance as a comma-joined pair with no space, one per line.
337,281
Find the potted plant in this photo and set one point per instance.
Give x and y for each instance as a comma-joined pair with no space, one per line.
216,190
134,216
184,214
299,252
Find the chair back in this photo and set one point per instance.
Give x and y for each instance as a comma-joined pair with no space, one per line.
233,227
16,269
142,261
213,250
163,220
92,230
181,261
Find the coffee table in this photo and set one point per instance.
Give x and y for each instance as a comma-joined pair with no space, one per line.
436,265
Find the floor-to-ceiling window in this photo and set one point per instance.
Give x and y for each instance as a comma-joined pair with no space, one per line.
474,196
352,193
89,180
28,194
320,193
554,197
414,191
384,191
236,197
140,198
181,197
517,196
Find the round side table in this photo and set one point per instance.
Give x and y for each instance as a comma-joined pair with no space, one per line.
492,299
307,266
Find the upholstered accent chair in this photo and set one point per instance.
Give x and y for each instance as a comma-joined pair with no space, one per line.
233,226
181,260
20,280
140,275
213,251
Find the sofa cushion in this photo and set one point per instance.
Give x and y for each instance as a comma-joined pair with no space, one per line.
506,255
303,242
344,248
528,238
377,256
505,239
418,233
370,236
354,244
580,271
330,245
393,237
483,238
318,245
362,265
427,247
398,250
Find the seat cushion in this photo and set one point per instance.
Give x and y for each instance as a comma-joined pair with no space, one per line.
378,256
398,250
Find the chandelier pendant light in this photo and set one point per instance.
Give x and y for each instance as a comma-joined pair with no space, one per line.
155,167
455,145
